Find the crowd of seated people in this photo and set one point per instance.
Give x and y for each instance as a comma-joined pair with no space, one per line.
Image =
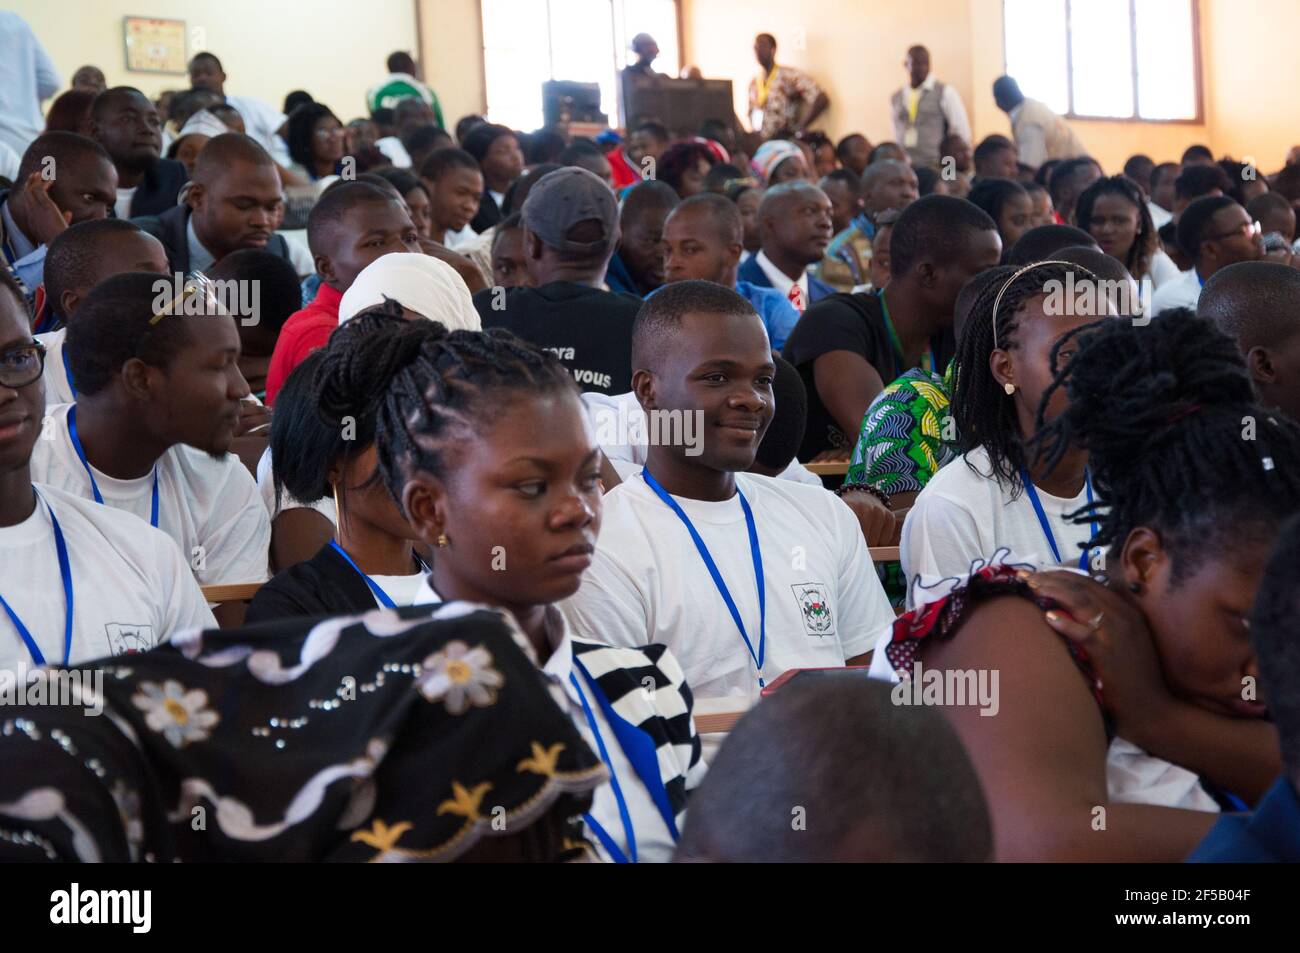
667,461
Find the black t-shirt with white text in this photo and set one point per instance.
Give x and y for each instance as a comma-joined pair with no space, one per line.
846,322
588,329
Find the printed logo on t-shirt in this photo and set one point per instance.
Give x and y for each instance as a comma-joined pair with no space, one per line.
816,610
125,637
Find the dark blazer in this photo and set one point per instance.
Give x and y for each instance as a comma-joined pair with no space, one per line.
170,229
159,188
488,213
751,272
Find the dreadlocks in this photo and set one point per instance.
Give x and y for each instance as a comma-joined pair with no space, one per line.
1176,439
425,385
1138,260
984,414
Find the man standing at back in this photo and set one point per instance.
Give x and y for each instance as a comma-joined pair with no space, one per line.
27,78
782,99
926,111
262,121
1040,133
403,82
570,223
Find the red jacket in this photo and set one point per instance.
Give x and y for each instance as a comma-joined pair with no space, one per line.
305,331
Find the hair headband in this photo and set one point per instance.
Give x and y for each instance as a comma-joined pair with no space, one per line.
997,302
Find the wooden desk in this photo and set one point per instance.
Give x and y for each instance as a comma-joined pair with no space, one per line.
834,468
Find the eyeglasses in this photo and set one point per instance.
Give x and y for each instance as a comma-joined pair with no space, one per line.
1244,230
327,131
22,364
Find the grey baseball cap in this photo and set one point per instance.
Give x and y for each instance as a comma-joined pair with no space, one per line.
562,199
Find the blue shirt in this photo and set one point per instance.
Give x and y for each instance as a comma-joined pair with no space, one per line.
778,314
26,258
27,77
618,278
1269,835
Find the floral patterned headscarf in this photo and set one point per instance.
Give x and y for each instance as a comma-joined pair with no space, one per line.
426,733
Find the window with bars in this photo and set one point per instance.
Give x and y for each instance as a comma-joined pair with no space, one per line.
1106,59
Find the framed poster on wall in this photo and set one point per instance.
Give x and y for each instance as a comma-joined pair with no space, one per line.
154,46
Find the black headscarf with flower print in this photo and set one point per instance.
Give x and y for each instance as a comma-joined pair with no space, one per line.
426,733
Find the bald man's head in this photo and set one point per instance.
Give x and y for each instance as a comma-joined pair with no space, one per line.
1258,304
235,195
889,183
794,223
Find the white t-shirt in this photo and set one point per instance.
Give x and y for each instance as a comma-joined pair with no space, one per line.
266,487
1181,292
261,120
131,588
1132,775
621,430
648,583
962,517
457,241
392,147
1160,217
654,842
58,389
122,207
211,508
1162,270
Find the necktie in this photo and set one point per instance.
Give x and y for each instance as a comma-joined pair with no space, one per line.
796,297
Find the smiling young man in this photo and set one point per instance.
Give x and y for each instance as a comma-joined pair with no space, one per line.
233,202
794,222
790,558
63,179
80,581
125,122
158,401
353,224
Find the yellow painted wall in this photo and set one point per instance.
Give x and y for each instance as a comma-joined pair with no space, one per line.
335,49
855,48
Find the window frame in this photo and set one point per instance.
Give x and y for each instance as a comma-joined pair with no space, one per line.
614,110
1197,120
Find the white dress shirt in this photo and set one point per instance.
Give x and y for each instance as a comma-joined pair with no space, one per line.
954,111
782,282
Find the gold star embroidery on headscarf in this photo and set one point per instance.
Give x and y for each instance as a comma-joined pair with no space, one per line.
543,761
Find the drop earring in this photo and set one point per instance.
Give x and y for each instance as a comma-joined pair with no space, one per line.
1009,387
443,541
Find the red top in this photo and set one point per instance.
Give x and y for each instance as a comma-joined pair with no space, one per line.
623,174
305,331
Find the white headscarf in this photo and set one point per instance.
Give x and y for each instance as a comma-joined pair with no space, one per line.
420,283
203,122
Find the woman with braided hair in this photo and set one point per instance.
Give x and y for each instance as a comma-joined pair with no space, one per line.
1114,212
997,495
1192,480
485,450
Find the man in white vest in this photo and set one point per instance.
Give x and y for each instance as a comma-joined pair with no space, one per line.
1040,133
926,111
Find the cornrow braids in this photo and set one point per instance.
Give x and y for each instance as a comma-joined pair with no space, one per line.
1176,439
985,416
1138,261
425,386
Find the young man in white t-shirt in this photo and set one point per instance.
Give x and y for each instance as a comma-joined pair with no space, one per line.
126,586
701,349
79,259
158,403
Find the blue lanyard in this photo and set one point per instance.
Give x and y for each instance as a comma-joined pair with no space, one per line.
597,828
65,571
383,597
717,576
67,369
94,487
1032,493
